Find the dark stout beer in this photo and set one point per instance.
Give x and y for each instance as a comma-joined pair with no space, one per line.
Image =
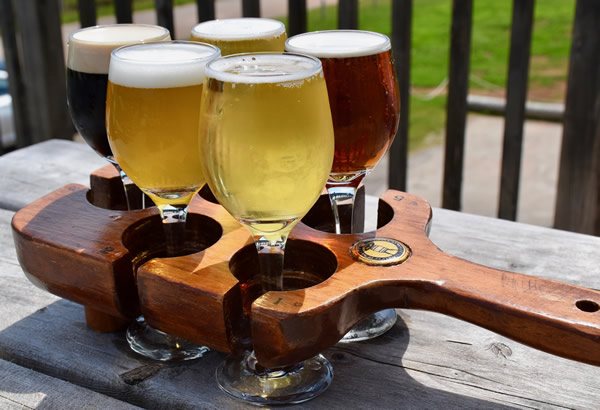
86,94
87,75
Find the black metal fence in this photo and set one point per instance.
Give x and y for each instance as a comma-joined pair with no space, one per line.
34,56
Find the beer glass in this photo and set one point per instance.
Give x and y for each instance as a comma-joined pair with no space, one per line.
87,78
152,111
242,35
365,103
266,141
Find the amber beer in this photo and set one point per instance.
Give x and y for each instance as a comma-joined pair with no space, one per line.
363,95
152,111
87,75
242,35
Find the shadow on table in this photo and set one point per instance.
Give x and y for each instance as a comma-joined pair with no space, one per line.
55,341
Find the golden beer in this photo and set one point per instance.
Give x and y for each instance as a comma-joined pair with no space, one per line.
266,137
153,106
242,35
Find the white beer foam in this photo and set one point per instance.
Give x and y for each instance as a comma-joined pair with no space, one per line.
90,48
339,43
161,65
239,29
263,68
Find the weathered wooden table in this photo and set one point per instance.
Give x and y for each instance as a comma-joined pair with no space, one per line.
48,358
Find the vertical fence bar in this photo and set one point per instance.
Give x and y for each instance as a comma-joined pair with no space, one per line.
578,198
251,8
296,17
39,27
516,95
16,81
456,107
164,15
87,12
123,11
348,14
401,41
206,10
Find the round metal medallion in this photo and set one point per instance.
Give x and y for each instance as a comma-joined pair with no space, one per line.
380,251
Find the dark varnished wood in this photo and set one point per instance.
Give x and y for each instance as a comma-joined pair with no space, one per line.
516,96
88,255
578,193
456,106
401,42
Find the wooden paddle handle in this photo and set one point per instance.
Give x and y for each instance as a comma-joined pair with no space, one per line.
552,316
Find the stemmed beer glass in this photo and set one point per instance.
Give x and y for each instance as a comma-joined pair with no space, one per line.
365,103
242,35
266,140
152,114
87,78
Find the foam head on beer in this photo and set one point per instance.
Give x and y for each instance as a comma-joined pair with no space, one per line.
264,68
161,65
242,35
239,29
339,43
94,44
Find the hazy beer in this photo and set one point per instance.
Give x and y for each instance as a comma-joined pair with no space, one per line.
87,75
363,94
153,106
242,35
266,137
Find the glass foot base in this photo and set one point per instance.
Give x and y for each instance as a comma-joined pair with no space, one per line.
371,327
241,379
154,344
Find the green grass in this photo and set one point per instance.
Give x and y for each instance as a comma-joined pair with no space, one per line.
430,44
489,50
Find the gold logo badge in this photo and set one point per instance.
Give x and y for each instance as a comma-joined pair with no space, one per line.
380,251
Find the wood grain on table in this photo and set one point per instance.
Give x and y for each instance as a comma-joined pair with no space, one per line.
426,361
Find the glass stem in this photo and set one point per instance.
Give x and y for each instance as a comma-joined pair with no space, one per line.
133,198
270,260
173,220
342,205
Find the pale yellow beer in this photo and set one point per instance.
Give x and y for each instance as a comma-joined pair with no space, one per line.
266,137
242,35
153,105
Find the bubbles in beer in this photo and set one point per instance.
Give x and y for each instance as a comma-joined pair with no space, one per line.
264,68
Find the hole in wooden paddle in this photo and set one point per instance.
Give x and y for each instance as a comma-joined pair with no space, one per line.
320,216
207,194
146,239
587,306
305,264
